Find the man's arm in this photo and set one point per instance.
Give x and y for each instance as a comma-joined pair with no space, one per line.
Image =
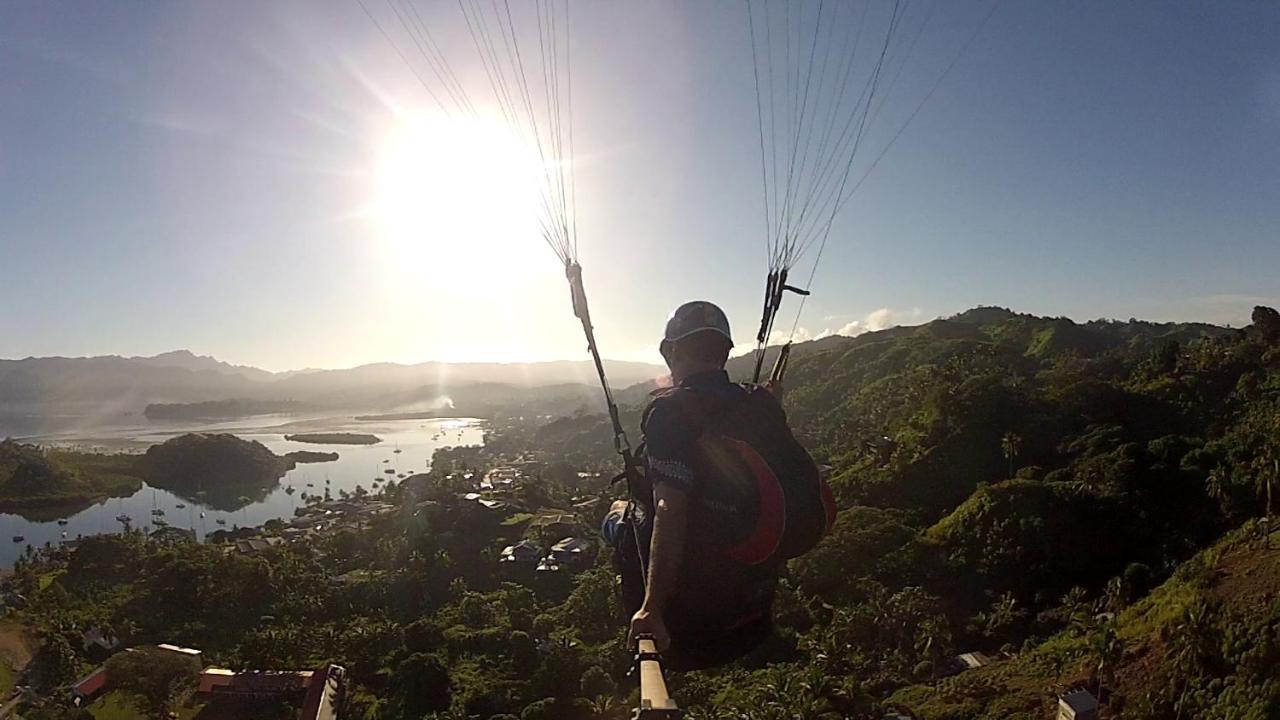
666,550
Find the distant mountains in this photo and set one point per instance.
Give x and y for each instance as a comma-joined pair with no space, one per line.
37,394
114,386
201,363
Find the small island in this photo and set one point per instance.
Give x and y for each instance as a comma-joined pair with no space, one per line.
222,469
335,438
418,415
220,409
311,456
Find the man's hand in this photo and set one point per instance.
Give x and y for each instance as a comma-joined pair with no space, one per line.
649,623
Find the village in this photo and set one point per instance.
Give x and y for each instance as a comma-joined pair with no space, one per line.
535,542
530,539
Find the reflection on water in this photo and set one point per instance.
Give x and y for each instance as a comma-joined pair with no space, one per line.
357,465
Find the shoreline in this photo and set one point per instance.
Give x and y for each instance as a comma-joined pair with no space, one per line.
358,465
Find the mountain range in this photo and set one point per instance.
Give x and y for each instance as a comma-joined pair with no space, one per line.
75,389
113,386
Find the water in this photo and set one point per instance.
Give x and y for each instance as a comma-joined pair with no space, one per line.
356,465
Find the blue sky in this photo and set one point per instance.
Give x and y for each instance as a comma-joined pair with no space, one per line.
217,176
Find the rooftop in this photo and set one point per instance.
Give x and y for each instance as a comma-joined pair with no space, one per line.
572,545
524,550
253,545
1080,701
92,683
191,652
256,682
323,694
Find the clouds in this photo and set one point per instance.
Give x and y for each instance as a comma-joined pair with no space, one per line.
879,319
778,337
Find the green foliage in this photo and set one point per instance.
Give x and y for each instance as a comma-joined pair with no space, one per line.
154,679
32,478
1203,644
1032,538
1036,489
424,684
785,693
860,543
591,610
222,466
1266,322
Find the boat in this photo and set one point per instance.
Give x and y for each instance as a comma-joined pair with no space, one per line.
180,506
389,471
63,522
289,490
310,484
160,523
123,518
202,516
64,533
220,521
18,538
397,451
157,512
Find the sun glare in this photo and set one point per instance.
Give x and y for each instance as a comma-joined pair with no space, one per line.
459,196
457,217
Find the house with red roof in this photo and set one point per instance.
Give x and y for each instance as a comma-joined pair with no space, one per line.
88,688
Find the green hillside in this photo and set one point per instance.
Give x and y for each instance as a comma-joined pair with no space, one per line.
1202,645
1087,505
993,464
35,482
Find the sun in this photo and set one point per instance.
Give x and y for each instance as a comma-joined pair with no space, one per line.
462,270
460,197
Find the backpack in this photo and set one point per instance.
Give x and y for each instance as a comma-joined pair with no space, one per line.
760,498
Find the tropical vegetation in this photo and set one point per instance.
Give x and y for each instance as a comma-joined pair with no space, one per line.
1083,505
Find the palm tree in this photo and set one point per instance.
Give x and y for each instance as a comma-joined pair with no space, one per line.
1115,595
1076,609
1267,471
1216,486
999,622
1193,643
1109,649
1265,462
602,705
456,712
1010,445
